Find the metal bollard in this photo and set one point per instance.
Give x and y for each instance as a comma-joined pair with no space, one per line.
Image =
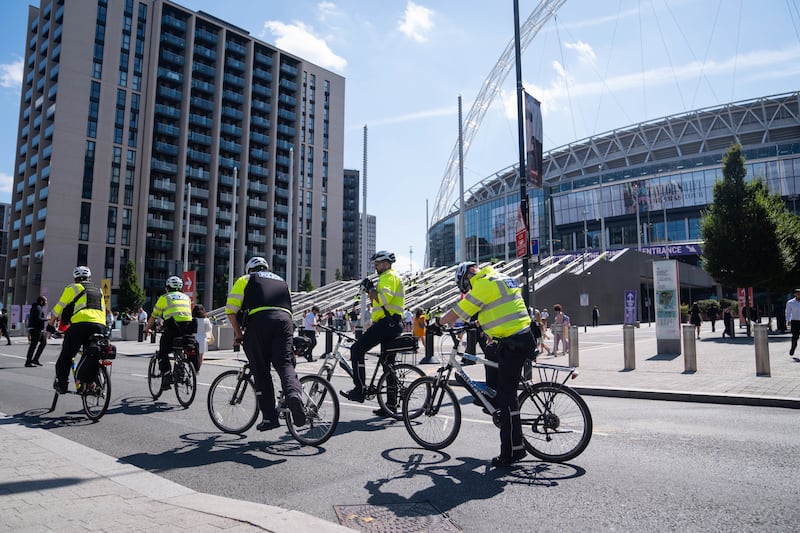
429,341
573,346
328,341
689,348
629,346
761,342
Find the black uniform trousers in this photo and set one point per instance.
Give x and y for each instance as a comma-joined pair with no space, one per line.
383,330
268,341
75,337
511,355
795,325
38,342
172,330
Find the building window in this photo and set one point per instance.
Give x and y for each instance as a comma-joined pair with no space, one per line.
83,254
83,226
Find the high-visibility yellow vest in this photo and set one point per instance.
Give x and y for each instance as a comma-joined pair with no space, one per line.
391,296
497,300
175,305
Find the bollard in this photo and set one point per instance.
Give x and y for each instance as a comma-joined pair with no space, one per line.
573,346
689,348
629,347
761,342
429,340
328,341
141,332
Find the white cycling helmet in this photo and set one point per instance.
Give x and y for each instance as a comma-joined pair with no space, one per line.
255,264
174,283
82,272
461,275
383,255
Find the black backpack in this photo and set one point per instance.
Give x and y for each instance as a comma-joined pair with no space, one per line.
94,297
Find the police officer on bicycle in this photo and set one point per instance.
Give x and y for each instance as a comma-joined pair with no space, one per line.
85,302
388,303
175,309
501,312
266,303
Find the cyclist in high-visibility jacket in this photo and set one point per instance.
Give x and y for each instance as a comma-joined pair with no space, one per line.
174,307
388,303
267,304
503,317
88,317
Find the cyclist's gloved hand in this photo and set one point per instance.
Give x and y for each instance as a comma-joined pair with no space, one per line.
50,328
367,285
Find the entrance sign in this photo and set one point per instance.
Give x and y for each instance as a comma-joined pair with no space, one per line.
667,303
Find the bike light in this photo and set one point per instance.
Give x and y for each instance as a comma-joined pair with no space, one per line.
574,375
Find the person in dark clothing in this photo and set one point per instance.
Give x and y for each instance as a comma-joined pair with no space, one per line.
712,317
37,320
595,316
4,325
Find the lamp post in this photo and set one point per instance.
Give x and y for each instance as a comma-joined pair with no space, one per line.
233,231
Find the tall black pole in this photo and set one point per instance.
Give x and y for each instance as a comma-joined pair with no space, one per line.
523,193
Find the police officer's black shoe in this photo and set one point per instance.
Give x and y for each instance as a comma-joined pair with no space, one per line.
60,388
384,413
502,460
267,424
295,406
355,395
166,382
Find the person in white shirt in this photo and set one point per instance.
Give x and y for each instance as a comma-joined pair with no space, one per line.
310,330
793,319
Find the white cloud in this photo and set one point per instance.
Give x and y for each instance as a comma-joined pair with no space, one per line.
418,115
417,22
6,183
11,74
299,39
585,52
327,10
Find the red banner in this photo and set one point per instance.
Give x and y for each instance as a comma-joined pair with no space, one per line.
522,243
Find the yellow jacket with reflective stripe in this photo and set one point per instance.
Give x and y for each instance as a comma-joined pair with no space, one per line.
497,300
80,314
391,295
175,305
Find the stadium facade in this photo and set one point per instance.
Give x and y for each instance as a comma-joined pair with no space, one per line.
642,187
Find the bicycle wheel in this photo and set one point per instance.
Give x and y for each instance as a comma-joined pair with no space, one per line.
185,382
405,375
154,378
322,412
232,402
431,413
96,395
556,422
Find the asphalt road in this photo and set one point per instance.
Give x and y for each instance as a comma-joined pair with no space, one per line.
651,466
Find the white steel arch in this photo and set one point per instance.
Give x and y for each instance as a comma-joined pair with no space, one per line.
535,21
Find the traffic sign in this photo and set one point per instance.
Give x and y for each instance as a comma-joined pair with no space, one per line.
188,284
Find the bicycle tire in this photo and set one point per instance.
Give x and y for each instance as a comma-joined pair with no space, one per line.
406,374
232,403
431,413
154,378
556,422
185,382
95,399
321,405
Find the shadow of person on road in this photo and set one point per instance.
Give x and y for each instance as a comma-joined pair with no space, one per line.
141,405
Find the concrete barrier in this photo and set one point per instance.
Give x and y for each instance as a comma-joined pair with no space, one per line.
689,348
574,348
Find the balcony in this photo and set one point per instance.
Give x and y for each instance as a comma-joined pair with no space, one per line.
170,94
163,205
200,120
163,166
257,238
198,173
289,69
259,222
160,223
162,185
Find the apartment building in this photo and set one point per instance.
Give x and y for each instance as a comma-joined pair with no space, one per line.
151,132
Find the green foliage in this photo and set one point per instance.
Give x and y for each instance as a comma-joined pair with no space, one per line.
307,284
131,294
338,275
220,291
740,229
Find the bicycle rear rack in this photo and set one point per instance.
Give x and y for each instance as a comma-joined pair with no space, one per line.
555,373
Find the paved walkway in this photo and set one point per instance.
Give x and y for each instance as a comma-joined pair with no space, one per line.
49,483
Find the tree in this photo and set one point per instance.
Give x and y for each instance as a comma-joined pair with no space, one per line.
131,294
220,295
741,245
307,285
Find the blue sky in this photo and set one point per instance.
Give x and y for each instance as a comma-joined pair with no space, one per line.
595,66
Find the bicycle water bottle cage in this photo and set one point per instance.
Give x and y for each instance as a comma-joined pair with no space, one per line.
404,343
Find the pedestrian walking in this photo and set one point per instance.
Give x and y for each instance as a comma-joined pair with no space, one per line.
793,319
4,325
595,317
712,317
695,319
37,320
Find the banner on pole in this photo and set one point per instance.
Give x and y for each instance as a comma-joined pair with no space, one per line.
533,140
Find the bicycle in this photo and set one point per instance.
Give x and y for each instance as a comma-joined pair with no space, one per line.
556,422
233,406
400,373
95,395
184,377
